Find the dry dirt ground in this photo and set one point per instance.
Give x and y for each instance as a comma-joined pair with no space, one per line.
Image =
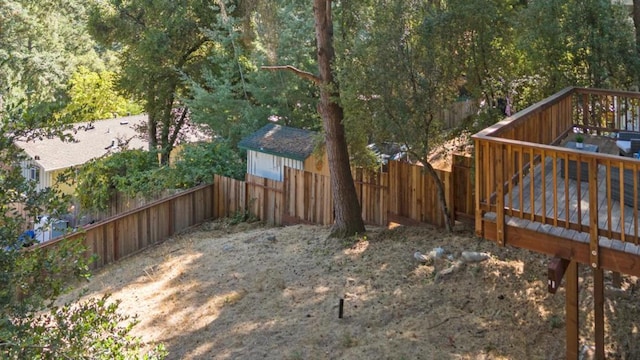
246,291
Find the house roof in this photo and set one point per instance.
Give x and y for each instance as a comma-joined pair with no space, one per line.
54,154
297,144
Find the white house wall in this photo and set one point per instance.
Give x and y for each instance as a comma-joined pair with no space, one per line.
44,180
270,166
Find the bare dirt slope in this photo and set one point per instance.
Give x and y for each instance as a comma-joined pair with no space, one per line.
251,292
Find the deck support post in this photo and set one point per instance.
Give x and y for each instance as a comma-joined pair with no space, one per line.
555,272
572,310
598,311
594,258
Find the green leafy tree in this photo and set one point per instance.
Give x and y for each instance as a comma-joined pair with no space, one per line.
579,43
636,22
160,42
197,163
93,96
31,325
233,95
43,42
484,35
411,41
222,96
285,34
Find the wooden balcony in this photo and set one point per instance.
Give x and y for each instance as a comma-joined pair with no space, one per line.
525,196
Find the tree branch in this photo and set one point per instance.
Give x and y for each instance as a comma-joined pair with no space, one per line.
303,74
190,51
178,126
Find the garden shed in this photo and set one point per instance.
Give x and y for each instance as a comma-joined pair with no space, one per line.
274,146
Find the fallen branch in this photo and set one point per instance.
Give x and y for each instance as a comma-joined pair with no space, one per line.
454,267
303,74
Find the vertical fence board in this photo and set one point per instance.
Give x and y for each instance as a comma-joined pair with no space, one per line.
463,203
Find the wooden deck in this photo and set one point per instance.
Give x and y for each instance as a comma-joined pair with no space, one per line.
569,193
525,199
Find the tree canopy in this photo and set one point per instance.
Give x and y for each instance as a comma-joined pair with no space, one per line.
159,42
93,96
43,43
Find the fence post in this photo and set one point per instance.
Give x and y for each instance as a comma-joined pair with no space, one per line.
171,217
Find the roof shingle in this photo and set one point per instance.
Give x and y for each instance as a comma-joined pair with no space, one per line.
297,144
54,154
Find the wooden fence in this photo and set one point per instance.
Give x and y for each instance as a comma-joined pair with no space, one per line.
463,192
265,200
308,198
229,197
455,115
404,194
133,231
414,195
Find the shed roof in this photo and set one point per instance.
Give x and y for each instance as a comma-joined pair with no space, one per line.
54,154
292,143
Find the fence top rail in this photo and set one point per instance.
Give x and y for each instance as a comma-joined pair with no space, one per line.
523,115
83,229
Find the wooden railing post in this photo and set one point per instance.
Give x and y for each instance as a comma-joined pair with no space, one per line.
594,252
585,109
499,168
479,174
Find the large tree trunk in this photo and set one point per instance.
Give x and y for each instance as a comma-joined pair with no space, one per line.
162,131
348,218
167,120
441,196
152,130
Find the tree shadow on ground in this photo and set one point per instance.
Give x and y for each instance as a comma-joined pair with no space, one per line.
274,293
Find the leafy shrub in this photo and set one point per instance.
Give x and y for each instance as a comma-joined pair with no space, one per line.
197,163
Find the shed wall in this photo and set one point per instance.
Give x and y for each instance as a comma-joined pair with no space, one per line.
270,166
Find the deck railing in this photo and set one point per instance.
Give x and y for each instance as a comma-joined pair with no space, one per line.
601,111
521,173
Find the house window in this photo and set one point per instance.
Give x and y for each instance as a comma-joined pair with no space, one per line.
34,174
